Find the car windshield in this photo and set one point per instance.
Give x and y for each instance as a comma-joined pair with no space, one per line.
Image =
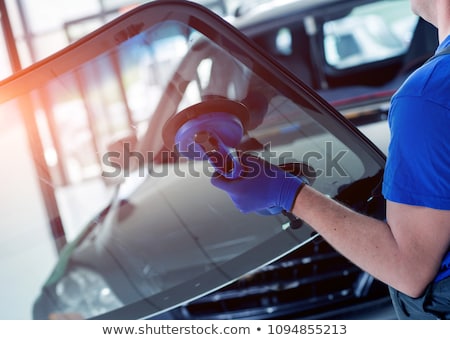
135,227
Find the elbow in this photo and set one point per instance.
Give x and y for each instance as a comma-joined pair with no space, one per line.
414,292
413,274
414,285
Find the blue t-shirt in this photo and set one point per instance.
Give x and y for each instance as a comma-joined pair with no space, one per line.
417,170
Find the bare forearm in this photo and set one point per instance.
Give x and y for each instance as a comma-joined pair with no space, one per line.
369,243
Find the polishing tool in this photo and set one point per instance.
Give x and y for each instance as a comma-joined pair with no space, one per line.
210,129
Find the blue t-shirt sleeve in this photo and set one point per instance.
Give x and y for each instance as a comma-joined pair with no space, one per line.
417,171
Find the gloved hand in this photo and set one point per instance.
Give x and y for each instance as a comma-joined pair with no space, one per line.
263,187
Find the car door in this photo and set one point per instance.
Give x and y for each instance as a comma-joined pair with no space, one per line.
165,235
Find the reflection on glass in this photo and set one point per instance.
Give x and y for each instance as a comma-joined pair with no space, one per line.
150,228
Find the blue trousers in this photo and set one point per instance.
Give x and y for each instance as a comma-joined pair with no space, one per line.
433,304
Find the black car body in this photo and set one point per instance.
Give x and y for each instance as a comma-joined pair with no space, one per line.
354,53
167,243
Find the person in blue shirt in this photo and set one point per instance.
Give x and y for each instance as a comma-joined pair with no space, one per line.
409,250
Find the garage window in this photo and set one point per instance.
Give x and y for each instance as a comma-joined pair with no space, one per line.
369,33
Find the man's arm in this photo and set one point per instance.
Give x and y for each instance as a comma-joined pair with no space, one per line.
405,252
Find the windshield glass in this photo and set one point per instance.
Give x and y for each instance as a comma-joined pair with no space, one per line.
135,227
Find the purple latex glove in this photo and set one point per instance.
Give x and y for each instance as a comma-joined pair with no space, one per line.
263,187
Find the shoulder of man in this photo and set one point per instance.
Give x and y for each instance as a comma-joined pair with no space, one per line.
430,81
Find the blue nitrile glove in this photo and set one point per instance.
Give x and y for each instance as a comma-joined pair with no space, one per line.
263,187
